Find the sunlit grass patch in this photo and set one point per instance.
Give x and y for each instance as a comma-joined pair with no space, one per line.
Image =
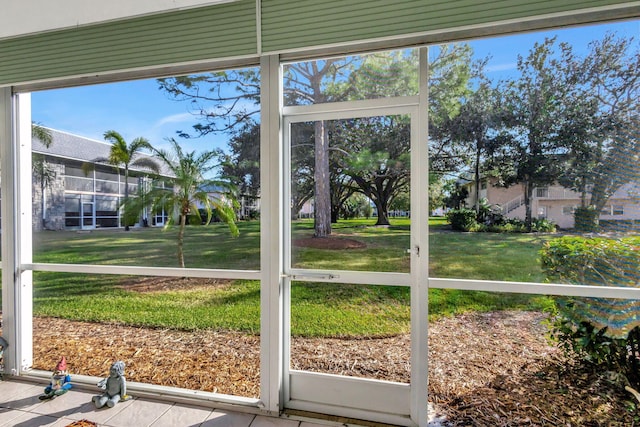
334,310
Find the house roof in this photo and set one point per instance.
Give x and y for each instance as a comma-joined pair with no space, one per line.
74,147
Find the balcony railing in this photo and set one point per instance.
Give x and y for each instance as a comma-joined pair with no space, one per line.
555,193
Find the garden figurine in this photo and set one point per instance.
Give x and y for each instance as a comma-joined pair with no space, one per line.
3,344
114,386
60,381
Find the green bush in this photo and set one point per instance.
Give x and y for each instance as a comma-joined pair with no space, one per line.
515,225
592,261
592,345
507,227
489,214
543,225
492,221
601,331
201,217
462,219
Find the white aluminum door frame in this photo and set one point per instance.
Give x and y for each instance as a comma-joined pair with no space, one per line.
15,159
382,401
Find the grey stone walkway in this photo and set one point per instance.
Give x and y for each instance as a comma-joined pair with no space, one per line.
20,407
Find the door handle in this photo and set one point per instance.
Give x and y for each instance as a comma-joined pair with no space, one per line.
307,276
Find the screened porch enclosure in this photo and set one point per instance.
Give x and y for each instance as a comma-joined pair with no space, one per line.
349,291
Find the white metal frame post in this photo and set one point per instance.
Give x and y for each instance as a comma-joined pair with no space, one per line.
17,285
271,237
420,250
8,266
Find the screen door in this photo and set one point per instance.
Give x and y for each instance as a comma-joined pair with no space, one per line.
350,250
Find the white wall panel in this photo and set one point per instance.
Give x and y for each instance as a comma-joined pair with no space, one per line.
33,16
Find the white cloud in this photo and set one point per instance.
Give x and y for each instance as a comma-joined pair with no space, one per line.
174,118
508,66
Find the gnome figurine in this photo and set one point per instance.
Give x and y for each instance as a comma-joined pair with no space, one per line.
60,381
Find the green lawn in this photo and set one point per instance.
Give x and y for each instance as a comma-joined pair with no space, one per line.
317,309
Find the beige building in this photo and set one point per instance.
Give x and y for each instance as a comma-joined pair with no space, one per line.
555,202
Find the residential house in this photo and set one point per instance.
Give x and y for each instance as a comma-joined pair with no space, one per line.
554,202
79,191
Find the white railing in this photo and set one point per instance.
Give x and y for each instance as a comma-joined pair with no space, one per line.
541,193
512,205
555,193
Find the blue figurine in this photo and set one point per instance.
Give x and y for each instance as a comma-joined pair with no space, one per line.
3,344
60,381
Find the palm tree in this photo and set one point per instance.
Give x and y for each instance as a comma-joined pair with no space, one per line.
42,171
190,189
41,133
124,155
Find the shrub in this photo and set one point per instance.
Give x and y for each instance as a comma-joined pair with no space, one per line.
491,220
592,261
601,331
515,225
462,219
201,217
543,225
350,209
253,214
593,346
489,214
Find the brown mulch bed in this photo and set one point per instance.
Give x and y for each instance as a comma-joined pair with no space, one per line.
489,369
484,369
498,369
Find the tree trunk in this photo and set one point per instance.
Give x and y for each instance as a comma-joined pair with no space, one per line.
335,214
126,198
322,205
528,193
43,188
583,192
183,224
383,217
477,179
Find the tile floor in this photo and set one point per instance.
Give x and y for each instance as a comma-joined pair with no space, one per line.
20,407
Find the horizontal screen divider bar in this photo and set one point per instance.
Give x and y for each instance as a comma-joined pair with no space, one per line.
144,271
350,277
536,288
404,279
353,106
150,72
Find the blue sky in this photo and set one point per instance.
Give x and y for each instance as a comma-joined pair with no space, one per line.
134,108
139,108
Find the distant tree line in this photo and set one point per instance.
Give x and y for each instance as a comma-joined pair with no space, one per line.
561,118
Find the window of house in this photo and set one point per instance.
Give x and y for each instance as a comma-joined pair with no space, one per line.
568,210
542,192
617,210
543,211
